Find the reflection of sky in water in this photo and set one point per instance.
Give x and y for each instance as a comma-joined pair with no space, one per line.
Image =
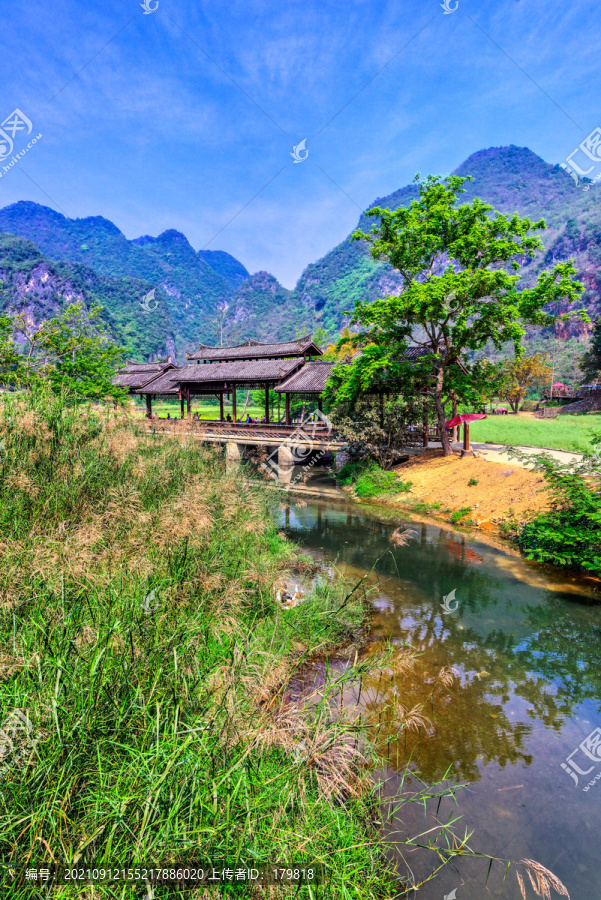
525,642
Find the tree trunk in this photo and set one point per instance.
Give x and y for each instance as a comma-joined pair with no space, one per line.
245,405
447,450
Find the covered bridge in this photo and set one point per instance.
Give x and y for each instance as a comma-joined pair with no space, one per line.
221,371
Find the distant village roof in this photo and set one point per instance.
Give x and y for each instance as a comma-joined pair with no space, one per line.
311,379
412,354
255,350
134,375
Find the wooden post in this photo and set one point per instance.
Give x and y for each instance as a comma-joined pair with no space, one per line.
266,403
287,409
149,406
234,402
221,416
425,425
188,403
181,404
455,435
466,436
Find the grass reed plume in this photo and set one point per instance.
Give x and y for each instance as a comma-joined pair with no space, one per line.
140,636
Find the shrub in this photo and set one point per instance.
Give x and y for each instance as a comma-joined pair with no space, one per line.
460,514
370,480
569,533
472,482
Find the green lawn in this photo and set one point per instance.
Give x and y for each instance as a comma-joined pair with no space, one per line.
562,433
206,411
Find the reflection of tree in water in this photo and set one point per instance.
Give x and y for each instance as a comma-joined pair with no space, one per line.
469,724
467,719
564,649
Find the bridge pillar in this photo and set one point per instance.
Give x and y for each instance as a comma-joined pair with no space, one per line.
285,457
341,457
285,474
234,454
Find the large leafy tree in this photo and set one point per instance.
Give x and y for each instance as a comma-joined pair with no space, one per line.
522,373
460,266
72,352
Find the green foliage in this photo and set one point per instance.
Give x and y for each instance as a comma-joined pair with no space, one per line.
72,353
569,534
472,482
350,471
420,506
377,429
369,480
460,514
476,299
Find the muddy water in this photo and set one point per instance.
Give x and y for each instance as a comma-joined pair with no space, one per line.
526,646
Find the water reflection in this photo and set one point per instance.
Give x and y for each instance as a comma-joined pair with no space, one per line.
525,645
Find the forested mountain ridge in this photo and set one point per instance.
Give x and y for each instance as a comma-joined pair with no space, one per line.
512,179
190,284
208,295
33,286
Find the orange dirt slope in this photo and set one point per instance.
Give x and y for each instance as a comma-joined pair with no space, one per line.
504,491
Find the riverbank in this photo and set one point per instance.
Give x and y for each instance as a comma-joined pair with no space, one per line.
472,491
144,662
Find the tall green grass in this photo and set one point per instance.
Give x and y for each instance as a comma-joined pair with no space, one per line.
140,635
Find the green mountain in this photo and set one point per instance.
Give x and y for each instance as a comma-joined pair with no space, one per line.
190,284
264,310
226,264
512,179
203,294
32,285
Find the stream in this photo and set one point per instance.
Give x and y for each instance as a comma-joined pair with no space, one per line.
525,643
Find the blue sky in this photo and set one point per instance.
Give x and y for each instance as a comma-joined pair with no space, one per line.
187,117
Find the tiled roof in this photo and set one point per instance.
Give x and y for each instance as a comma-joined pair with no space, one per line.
241,371
134,375
166,383
310,379
255,350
